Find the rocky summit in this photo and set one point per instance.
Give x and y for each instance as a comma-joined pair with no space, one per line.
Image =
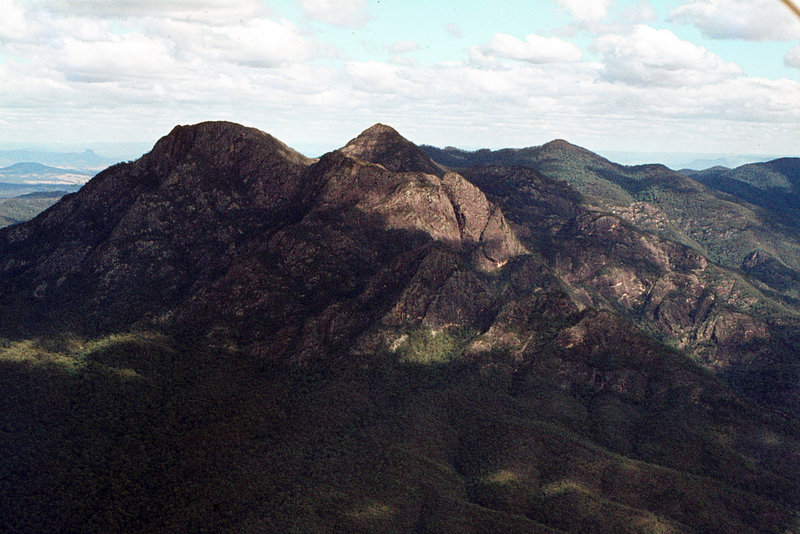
227,336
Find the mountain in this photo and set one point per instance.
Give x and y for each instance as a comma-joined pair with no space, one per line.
772,185
685,160
179,225
226,336
383,145
726,229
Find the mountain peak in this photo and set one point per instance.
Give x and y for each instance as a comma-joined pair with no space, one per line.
564,145
380,129
383,145
214,139
561,145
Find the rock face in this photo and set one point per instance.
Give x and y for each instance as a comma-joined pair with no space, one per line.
383,145
370,342
634,261
724,214
135,238
215,206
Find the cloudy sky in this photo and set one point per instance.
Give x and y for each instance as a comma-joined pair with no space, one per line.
715,76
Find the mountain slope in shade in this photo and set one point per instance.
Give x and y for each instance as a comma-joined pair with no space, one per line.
703,310
227,336
773,186
726,229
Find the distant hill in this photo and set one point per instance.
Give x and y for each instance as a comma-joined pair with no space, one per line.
685,160
29,167
773,185
8,190
87,160
25,207
33,173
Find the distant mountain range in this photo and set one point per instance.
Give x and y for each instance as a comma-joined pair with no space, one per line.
694,161
227,336
87,160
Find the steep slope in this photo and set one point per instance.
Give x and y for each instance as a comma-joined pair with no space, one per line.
742,328
132,242
772,184
669,289
215,203
774,187
227,336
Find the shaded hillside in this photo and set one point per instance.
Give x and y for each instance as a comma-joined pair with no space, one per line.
25,207
188,231
773,186
227,336
724,228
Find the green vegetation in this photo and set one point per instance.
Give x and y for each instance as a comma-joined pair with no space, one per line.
759,214
136,432
424,345
22,208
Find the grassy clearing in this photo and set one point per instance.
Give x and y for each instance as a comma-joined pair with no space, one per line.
427,346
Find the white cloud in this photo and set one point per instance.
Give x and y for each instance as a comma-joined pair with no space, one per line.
377,77
403,46
13,23
648,56
753,20
103,73
342,13
207,11
534,49
124,57
259,43
587,10
86,49
792,58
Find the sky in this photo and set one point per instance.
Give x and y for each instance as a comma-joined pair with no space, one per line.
699,76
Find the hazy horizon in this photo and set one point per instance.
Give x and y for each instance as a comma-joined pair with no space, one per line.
675,160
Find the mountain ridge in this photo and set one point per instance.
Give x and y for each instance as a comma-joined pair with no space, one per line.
128,203
264,342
